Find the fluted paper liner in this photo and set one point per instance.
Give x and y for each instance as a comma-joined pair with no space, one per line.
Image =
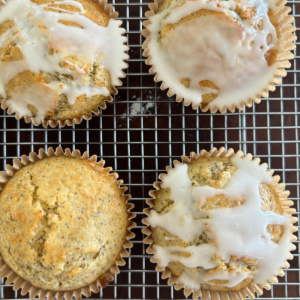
104,279
284,47
205,294
69,122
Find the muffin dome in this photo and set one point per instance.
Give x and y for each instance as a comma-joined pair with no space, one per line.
216,54
63,222
60,60
219,224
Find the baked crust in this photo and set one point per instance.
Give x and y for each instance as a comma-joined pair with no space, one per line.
95,73
63,222
214,172
270,56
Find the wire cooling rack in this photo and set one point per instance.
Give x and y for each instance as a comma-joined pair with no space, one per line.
143,131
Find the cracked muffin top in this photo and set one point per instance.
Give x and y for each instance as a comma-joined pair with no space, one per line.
219,224
59,59
63,222
213,52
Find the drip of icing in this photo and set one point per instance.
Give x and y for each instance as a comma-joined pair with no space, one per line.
202,253
66,2
193,280
221,53
179,221
239,231
235,229
190,7
237,223
79,71
233,278
39,30
35,93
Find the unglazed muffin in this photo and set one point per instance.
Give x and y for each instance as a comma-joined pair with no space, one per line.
220,224
60,60
64,223
218,54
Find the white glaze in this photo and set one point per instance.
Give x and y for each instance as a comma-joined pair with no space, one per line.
190,7
233,278
179,220
202,254
91,43
35,93
239,231
218,50
193,280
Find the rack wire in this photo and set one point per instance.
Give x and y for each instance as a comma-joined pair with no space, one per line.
143,131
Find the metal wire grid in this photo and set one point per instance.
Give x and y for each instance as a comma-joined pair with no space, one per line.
143,131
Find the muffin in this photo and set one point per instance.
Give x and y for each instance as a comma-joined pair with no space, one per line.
219,225
60,61
218,54
64,224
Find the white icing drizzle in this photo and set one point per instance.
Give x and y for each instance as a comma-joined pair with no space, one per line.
239,231
179,221
66,2
233,278
190,7
221,52
35,93
202,254
90,43
193,279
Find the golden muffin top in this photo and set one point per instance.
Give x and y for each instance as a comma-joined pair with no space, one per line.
63,222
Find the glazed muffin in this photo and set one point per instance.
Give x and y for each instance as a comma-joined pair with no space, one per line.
217,54
64,223
60,61
219,223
